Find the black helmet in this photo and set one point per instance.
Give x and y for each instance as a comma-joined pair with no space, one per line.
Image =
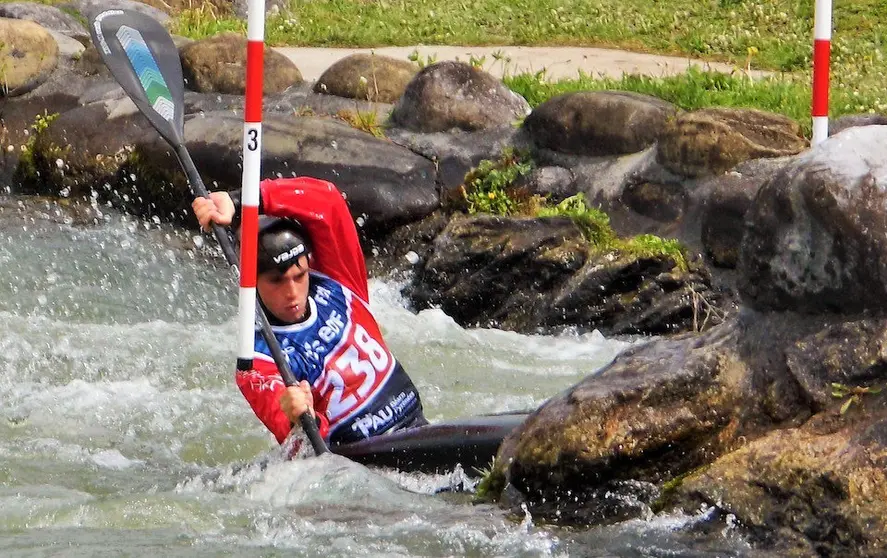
281,243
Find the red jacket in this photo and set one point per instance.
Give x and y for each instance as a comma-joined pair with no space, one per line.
321,209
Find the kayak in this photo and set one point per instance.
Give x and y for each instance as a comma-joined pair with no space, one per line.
438,447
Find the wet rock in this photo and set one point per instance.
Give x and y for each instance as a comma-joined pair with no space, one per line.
819,490
90,63
599,122
63,81
631,293
81,151
851,353
673,399
371,77
660,202
28,54
657,412
17,119
816,239
406,247
450,94
713,140
218,65
532,275
487,270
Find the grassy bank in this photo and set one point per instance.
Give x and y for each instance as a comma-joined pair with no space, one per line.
783,94
772,35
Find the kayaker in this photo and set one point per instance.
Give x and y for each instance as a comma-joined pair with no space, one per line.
312,284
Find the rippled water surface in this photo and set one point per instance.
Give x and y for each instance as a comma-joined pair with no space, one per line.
122,432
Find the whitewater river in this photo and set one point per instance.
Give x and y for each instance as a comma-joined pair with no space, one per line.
122,434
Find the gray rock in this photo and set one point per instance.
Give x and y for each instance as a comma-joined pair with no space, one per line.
458,152
49,17
90,63
532,275
554,183
850,353
102,90
453,94
69,48
495,271
816,239
722,219
301,100
599,122
81,153
838,125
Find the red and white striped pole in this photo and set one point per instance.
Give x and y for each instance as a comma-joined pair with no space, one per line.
822,46
252,167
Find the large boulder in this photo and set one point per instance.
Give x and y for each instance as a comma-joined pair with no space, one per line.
639,195
385,184
487,270
816,239
453,94
373,77
218,65
591,454
28,55
603,449
713,140
599,122
531,275
819,490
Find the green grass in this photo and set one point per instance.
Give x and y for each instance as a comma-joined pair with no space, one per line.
772,35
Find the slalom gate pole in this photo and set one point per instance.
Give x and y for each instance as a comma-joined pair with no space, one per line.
252,167
822,46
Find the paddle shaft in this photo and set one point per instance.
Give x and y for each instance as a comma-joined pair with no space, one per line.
230,252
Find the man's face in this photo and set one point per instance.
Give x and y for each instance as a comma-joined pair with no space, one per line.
286,294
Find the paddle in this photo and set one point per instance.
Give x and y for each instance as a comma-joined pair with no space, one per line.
145,62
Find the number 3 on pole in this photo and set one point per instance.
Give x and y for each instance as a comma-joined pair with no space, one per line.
252,137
